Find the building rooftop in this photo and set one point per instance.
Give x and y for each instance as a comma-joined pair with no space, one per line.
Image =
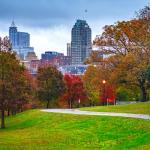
81,23
13,24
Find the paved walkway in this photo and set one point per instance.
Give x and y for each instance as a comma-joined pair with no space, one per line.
79,112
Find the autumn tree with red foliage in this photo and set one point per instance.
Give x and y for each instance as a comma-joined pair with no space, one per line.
108,94
75,93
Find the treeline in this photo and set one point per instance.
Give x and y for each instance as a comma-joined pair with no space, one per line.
20,91
127,69
15,82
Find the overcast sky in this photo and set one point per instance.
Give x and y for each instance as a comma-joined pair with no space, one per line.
49,22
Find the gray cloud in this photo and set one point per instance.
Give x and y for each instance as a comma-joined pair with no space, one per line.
46,13
50,21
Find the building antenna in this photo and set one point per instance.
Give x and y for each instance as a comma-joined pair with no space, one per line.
13,23
85,14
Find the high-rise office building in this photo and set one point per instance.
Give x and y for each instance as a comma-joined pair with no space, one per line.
13,35
20,41
80,42
23,39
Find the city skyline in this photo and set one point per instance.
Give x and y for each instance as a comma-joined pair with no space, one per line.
53,23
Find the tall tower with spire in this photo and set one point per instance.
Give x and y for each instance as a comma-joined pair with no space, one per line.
13,34
20,41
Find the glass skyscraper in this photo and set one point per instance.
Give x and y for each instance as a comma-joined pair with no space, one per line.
13,35
23,39
81,45
20,41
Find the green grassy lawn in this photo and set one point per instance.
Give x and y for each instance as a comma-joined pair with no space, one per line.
138,108
36,130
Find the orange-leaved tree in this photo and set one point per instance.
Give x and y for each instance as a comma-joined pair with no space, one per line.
129,42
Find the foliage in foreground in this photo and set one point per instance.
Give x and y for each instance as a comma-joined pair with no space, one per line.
15,87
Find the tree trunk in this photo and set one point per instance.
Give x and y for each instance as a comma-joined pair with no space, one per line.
21,109
143,90
13,111
47,106
144,94
2,119
70,104
91,103
8,112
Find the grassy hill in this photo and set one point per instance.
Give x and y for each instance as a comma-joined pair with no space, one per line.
36,130
137,108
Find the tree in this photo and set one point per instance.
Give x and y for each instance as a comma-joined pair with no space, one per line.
50,84
148,76
108,95
129,43
125,93
144,13
122,94
13,83
75,93
96,57
91,81
22,90
131,71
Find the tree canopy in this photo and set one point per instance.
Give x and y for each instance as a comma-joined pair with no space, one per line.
50,84
14,84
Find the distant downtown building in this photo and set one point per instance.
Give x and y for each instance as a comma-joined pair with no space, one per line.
55,58
81,45
49,55
20,41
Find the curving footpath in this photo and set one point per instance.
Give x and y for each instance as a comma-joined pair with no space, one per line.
79,112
